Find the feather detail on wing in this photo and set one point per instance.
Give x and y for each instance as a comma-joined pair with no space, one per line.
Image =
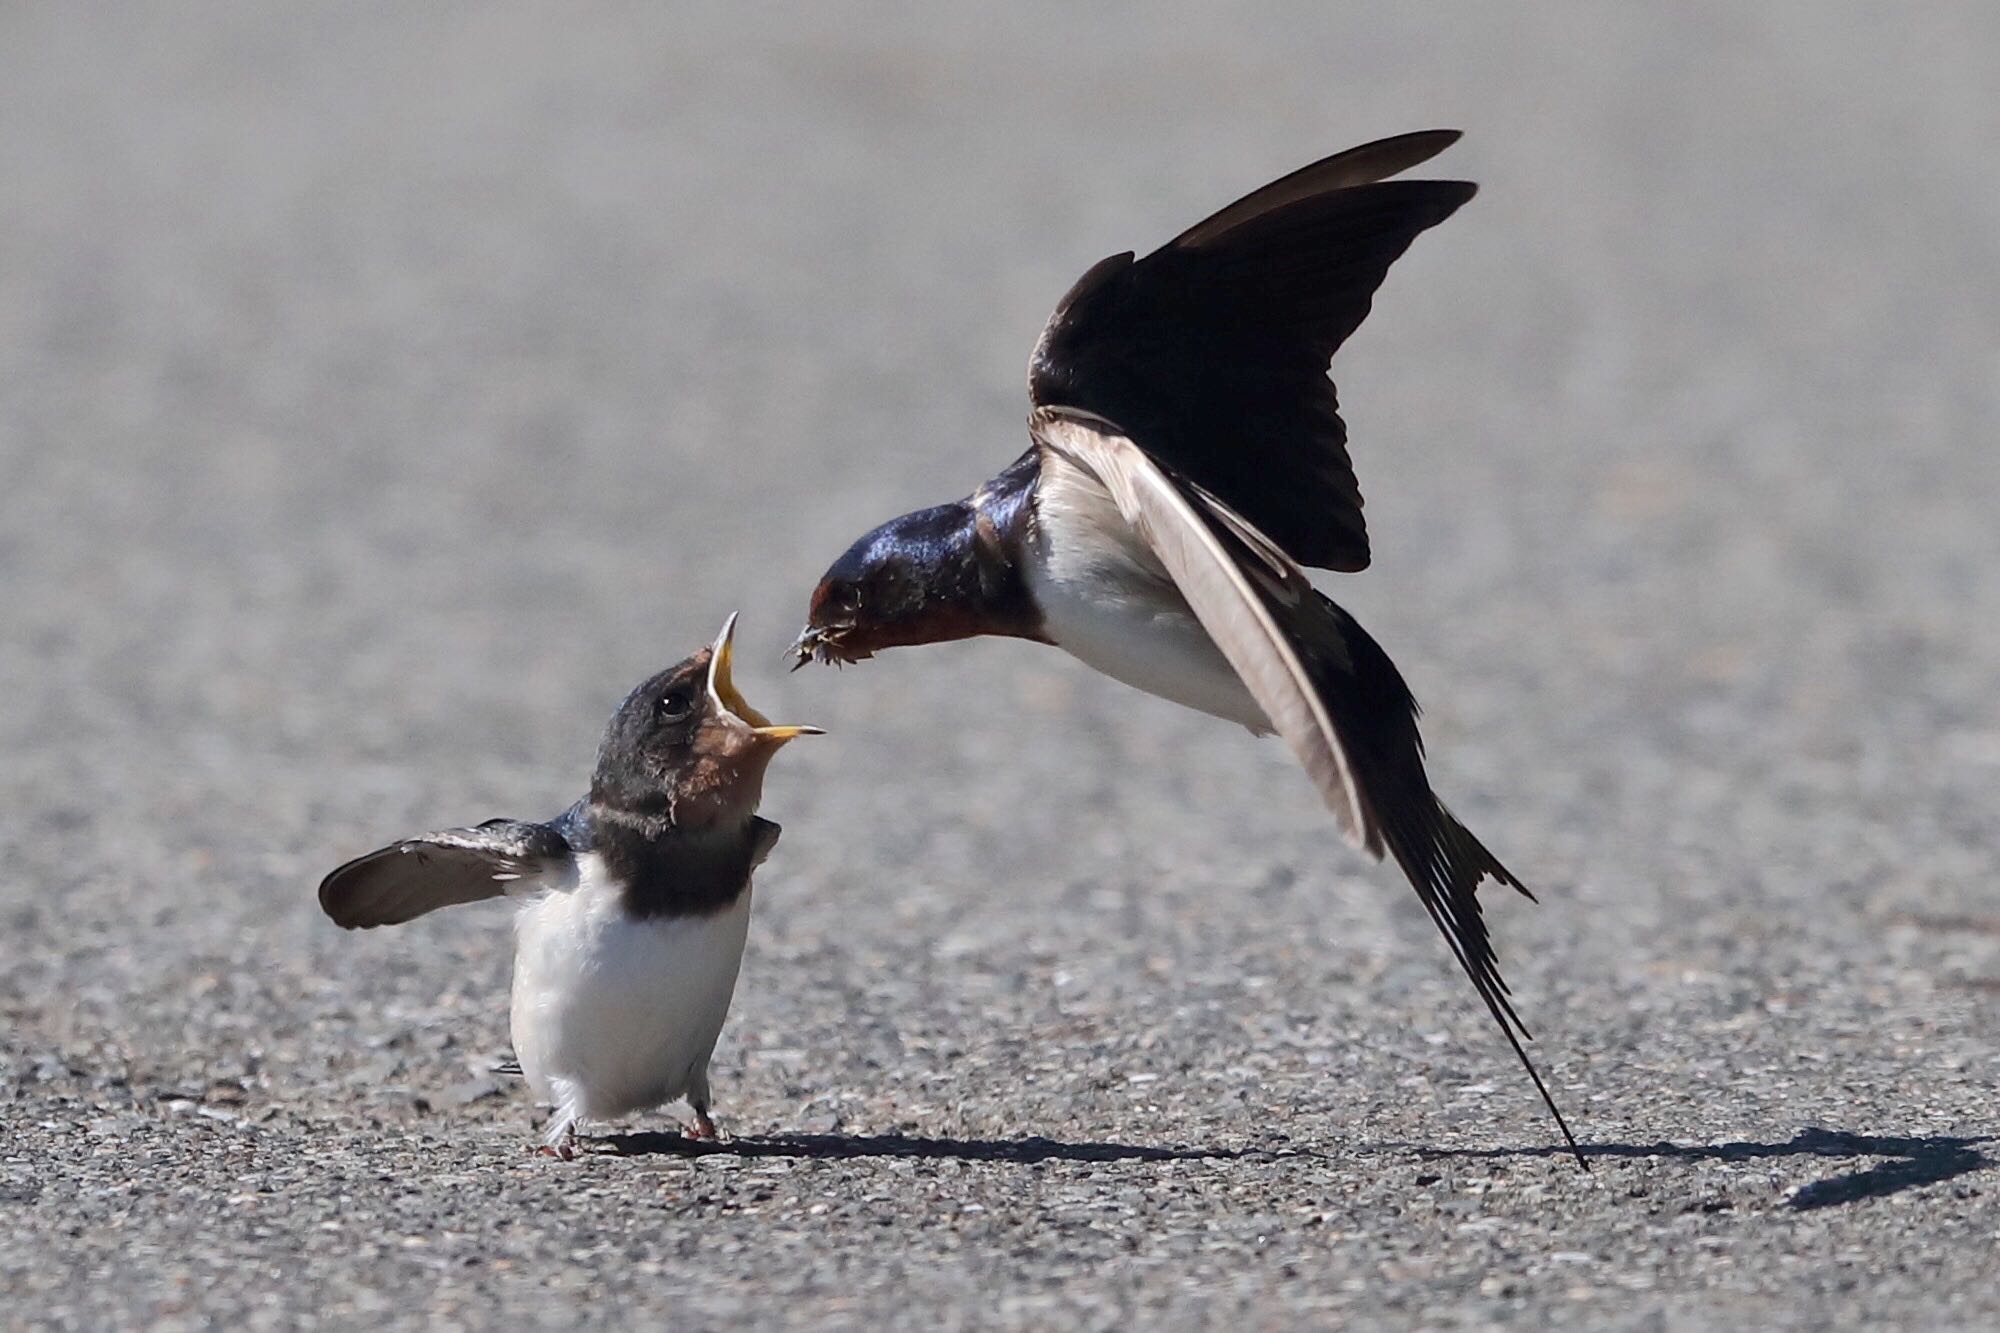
1365,165
407,879
1214,349
1219,592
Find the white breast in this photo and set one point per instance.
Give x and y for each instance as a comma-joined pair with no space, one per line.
1107,601
613,1015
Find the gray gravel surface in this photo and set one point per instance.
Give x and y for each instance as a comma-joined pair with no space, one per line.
384,389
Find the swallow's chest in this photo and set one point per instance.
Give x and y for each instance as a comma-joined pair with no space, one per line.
1107,601
625,1008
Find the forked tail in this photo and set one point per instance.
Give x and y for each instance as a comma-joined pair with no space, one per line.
1377,719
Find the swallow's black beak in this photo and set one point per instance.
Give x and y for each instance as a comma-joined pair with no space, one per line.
804,648
824,644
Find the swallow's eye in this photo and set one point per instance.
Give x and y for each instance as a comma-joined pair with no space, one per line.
676,703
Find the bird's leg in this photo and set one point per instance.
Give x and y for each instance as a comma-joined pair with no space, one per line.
704,1128
560,1144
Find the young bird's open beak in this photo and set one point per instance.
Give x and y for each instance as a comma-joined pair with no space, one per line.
723,690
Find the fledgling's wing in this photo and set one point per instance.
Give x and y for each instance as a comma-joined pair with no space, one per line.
1213,350
1324,684
403,881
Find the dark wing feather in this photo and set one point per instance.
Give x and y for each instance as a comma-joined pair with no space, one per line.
1219,590
1213,350
463,865
1326,686
1365,165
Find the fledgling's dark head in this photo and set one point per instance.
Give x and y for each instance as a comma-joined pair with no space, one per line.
686,747
928,577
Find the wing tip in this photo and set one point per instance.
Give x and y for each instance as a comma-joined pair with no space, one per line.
344,896
1416,146
336,897
342,908
1352,168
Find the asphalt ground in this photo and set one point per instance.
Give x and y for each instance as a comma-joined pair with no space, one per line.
384,389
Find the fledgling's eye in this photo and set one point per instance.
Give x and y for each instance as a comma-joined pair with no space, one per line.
676,703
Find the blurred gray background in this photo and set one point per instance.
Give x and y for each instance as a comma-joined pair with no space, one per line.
384,389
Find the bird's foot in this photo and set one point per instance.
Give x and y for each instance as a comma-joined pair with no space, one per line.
562,1145
704,1130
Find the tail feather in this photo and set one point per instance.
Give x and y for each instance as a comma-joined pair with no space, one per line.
1377,719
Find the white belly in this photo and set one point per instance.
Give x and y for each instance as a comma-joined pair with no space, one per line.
1107,601
613,1015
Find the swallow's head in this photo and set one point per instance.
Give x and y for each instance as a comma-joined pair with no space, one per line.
686,744
927,577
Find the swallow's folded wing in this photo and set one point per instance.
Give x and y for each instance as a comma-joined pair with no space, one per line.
1169,517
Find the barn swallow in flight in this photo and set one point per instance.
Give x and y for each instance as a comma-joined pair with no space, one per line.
633,903
1188,459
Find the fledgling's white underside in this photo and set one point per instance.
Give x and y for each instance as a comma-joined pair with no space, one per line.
613,1015
1107,601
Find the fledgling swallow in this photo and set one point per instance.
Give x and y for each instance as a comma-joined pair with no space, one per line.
1188,459
633,903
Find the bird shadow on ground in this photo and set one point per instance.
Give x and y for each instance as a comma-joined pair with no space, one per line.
836,1147
1911,1161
